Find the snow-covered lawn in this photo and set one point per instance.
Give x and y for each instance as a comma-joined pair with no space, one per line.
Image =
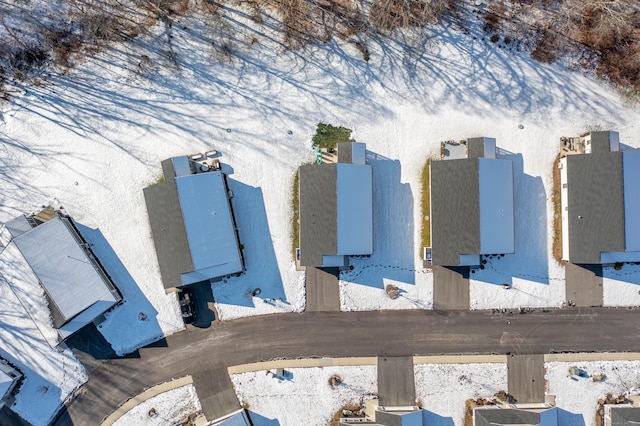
621,288
50,377
171,408
305,396
93,138
578,400
442,389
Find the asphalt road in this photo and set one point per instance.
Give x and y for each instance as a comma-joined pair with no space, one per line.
207,352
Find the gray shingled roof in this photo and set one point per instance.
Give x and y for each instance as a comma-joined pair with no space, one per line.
623,416
505,416
318,212
600,142
596,205
475,147
345,152
167,227
455,210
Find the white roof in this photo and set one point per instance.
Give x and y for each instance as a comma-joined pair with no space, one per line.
24,284
209,225
355,209
5,383
18,226
496,206
631,179
63,268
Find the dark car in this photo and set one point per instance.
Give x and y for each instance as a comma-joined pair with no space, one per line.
186,306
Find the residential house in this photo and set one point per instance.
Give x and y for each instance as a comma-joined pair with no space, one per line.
387,416
621,415
498,415
471,205
600,200
47,263
336,209
192,222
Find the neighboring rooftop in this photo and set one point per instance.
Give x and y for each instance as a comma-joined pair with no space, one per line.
498,415
600,201
621,415
471,206
336,208
192,222
50,263
9,377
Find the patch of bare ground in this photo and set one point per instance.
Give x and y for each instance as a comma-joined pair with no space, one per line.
348,410
557,212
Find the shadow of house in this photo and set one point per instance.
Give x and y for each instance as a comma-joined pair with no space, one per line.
192,222
530,258
261,264
46,261
433,419
472,201
135,317
393,225
600,199
336,209
566,418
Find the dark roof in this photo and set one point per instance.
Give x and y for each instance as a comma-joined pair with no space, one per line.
596,205
455,210
624,415
167,227
345,152
475,147
389,419
600,142
505,416
318,213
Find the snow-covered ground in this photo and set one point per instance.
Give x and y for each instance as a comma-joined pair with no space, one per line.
171,408
50,377
93,138
305,396
442,389
621,288
578,400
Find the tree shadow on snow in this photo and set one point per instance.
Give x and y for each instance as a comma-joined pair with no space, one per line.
393,245
530,260
261,266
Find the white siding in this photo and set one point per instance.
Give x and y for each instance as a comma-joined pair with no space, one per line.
564,205
496,206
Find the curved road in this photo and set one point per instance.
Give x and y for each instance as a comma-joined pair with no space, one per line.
208,352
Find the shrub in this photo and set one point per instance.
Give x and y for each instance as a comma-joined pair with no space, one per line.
328,136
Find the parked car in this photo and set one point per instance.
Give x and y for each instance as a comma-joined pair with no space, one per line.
185,298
